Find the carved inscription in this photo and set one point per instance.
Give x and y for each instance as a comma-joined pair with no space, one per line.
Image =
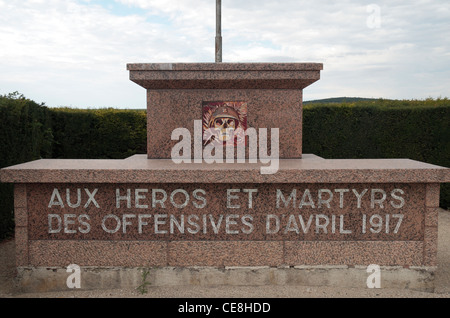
227,212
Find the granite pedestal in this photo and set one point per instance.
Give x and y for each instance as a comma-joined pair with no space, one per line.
175,92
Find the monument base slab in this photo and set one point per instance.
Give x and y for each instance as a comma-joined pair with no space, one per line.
315,222
48,279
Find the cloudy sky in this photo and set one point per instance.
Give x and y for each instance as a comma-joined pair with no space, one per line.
74,52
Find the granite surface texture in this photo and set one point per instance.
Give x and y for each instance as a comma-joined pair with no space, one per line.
225,75
170,109
138,169
175,92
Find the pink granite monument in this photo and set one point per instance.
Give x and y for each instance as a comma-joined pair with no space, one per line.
222,222
272,91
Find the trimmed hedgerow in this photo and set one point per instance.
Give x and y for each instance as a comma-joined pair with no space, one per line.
98,133
418,130
25,134
30,131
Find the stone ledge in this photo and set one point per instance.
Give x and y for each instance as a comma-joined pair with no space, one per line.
142,170
224,75
224,66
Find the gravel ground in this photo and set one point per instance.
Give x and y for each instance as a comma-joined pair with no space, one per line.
7,272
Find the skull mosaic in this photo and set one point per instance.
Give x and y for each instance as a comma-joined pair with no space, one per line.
225,120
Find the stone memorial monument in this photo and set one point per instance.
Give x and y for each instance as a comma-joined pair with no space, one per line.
225,195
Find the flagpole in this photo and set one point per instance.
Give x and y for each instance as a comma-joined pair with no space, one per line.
218,31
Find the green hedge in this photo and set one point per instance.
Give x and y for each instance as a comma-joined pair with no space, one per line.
30,131
99,133
418,130
25,134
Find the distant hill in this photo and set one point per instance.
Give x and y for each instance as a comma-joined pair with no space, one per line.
339,100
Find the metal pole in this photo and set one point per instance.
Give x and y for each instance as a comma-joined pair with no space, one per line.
218,31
